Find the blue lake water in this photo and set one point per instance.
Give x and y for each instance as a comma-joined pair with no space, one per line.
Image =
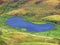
18,22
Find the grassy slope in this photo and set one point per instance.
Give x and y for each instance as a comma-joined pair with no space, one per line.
54,17
54,33
9,37
27,8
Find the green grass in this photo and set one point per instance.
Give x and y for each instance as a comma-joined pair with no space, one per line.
53,33
17,36
36,43
10,37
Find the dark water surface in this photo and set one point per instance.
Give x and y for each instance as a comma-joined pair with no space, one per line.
18,22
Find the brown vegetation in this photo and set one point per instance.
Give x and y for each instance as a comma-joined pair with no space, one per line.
39,1
3,1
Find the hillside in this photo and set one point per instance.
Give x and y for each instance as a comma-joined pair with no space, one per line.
54,17
34,8
35,11
21,38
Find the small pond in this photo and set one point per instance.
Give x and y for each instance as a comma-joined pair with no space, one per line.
18,22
